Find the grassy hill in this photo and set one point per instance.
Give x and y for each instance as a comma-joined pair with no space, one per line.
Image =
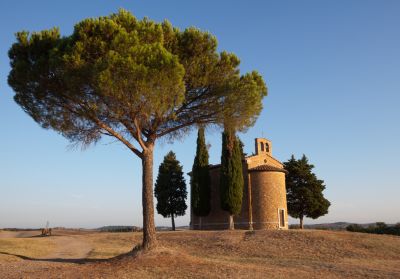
205,254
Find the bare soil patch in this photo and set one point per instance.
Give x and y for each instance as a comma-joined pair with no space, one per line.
206,254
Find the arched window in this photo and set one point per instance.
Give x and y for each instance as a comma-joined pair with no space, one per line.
267,147
262,146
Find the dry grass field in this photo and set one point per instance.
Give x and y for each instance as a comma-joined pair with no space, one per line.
201,254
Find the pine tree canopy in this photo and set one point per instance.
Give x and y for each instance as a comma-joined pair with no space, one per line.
231,173
170,188
200,178
304,190
130,79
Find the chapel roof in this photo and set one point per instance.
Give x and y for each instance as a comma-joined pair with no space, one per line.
268,168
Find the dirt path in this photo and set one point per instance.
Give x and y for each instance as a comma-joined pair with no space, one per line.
69,247
18,234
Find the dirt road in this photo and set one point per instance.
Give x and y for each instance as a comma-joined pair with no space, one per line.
18,234
67,246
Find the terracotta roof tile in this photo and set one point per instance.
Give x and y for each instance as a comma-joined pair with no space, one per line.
267,168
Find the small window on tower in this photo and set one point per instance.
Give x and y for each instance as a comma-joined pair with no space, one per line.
267,147
262,146
282,220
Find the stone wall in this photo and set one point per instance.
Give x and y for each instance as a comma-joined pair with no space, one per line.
268,196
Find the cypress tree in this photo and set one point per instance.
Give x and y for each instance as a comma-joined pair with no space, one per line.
170,189
231,176
241,146
200,179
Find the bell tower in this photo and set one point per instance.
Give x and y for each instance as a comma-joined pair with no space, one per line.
263,146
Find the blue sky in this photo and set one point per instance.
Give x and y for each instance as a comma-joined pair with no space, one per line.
333,73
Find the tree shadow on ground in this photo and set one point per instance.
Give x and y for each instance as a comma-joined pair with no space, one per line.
132,253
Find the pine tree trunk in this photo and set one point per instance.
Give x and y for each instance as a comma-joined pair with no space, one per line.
301,223
231,223
149,230
173,222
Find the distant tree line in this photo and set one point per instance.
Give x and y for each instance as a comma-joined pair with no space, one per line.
120,229
18,229
378,228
